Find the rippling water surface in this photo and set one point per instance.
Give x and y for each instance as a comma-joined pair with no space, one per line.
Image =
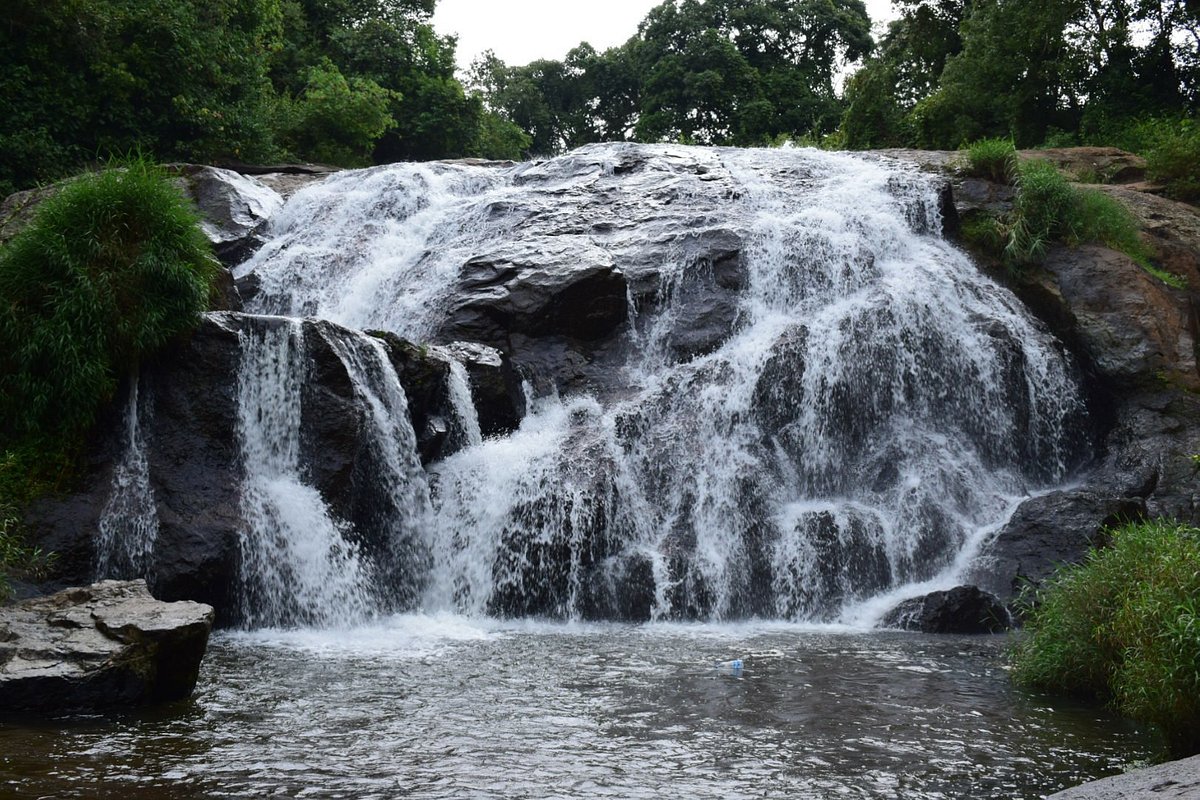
449,707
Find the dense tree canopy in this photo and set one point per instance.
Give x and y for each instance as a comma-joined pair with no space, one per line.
708,72
346,81
370,81
952,71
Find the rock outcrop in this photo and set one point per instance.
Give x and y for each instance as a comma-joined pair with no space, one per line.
1136,338
963,609
189,425
1175,780
105,645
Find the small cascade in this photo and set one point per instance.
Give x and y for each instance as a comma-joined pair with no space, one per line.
128,525
298,566
397,233
855,419
466,417
396,491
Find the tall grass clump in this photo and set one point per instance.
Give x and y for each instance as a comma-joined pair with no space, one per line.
993,159
111,269
1124,627
1048,209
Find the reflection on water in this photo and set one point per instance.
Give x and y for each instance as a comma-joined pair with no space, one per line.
446,707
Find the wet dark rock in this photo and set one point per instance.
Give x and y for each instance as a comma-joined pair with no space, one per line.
846,561
962,610
1046,532
619,588
423,373
779,393
495,386
539,292
189,426
110,644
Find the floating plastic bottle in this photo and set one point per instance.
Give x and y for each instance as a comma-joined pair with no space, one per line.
731,669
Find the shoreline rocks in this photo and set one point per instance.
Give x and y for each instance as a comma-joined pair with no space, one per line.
105,645
963,609
1175,780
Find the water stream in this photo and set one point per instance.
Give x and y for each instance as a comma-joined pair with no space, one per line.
875,410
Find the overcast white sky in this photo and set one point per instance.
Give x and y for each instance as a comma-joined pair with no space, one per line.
520,31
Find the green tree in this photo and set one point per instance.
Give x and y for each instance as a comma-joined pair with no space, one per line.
335,121
85,77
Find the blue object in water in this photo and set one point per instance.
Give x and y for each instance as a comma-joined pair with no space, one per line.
733,668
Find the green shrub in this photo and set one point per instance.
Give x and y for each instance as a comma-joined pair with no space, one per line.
993,159
1175,162
112,268
1171,146
1124,627
1049,209
17,559
337,121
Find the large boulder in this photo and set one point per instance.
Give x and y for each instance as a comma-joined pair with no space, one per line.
1046,532
110,644
963,609
234,208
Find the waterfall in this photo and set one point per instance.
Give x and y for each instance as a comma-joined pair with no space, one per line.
297,565
128,525
301,564
875,407
466,417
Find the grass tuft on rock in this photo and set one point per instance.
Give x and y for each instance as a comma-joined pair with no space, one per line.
992,159
1124,627
111,269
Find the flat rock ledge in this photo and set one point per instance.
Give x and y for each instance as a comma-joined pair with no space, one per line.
1175,780
107,645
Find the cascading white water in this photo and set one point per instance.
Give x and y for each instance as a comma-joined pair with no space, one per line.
297,565
128,525
466,417
875,411
300,563
392,218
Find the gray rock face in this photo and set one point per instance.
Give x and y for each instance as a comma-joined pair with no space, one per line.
234,208
963,609
1175,780
108,644
1130,326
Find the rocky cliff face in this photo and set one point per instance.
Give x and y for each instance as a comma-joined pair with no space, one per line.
1138,340
563,315
186,407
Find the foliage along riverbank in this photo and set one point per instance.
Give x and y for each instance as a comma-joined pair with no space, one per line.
1124,628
